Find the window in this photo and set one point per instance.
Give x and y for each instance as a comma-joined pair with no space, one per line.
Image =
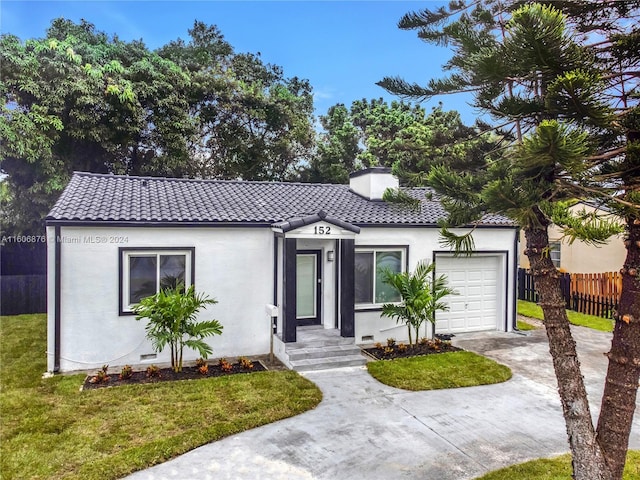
145,272
369,264
554,253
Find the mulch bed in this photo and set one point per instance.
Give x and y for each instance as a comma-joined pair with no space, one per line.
428,348
168,375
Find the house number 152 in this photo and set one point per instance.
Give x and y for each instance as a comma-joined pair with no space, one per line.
321,230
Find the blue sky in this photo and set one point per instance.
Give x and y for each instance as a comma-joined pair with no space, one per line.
343,48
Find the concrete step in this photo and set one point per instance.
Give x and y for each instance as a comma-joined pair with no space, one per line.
317,337
327,362
323,351
318,348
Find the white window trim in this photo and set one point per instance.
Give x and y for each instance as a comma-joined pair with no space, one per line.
125,279
374,250
555,252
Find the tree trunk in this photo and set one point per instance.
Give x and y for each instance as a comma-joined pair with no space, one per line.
621,387
588,459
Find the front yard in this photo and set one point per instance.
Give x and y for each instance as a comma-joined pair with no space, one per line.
438,371
52,430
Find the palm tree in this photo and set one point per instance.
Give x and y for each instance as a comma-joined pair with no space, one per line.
172,314
421,293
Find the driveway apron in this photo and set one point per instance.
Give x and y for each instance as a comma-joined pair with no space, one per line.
364,429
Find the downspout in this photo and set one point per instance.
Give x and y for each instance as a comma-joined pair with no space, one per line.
57,322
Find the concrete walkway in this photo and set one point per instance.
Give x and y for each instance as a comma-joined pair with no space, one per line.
363,429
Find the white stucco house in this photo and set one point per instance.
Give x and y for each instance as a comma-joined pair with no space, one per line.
312,250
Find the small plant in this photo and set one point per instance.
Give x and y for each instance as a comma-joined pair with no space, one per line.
200,362
402,347
101,376
391,342
388,350
378,345
126,372
153,371
172,315
423,341
225,366
422,296
203,369
245,363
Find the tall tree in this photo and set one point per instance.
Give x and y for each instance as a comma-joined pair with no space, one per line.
398,135
79,100
568,87
253,123
337,148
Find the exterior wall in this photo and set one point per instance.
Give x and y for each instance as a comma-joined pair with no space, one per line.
580,257
422,243
233,265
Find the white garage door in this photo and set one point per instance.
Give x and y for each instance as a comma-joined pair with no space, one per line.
477,305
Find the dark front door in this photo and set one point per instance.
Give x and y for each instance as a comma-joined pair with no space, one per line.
308,287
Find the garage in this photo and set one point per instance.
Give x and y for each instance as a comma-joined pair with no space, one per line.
479,303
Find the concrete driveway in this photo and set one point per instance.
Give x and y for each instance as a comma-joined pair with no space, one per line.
363,429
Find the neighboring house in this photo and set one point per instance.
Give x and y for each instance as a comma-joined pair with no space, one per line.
580,257
313,250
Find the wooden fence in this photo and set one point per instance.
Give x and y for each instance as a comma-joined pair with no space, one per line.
591,293
23,294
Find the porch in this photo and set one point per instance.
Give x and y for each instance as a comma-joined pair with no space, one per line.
318,348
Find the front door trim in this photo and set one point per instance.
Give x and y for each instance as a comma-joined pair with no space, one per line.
317,320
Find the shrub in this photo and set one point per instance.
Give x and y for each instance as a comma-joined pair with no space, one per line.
126,372
101,376
225,366
391,342
172,314
153,371
203,369
245,363
421,296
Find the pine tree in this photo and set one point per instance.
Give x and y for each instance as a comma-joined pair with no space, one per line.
563,78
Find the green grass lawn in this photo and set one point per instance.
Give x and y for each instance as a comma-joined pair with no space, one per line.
442,370
530,309
51,430
558,468
524,326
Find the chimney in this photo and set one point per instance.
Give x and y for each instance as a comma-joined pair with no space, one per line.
372,182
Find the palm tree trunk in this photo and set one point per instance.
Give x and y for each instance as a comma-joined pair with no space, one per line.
623,374
588,459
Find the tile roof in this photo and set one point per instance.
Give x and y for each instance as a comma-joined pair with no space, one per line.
91,197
